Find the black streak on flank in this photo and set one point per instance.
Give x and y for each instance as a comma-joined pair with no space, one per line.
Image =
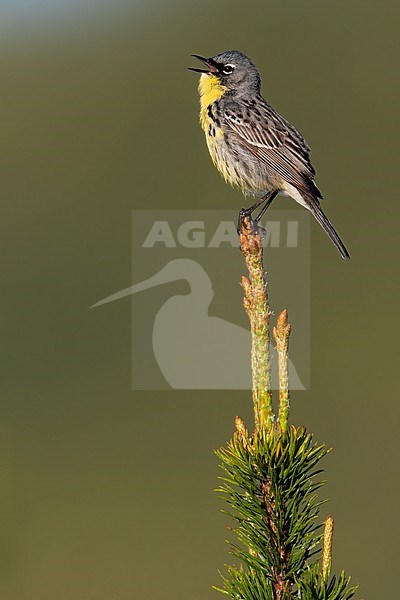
246,168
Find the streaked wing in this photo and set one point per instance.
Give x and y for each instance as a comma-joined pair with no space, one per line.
272,140
262,133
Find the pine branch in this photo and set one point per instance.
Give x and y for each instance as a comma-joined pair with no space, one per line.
281,335
327,547
270,480
256,305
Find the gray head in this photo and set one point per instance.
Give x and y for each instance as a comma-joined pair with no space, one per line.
233,69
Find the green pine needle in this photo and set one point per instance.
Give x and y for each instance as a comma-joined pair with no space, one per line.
270,484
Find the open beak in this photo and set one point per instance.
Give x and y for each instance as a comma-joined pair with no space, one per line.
208,62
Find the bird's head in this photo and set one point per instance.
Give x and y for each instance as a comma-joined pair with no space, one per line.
232,69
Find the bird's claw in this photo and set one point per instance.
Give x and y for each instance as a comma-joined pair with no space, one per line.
252,224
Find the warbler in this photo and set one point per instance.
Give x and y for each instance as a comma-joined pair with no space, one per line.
252,146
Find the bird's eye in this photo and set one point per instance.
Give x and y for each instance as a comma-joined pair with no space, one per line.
228,69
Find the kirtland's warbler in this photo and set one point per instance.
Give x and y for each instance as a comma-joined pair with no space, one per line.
251,145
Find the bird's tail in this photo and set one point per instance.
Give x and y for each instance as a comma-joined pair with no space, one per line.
323,220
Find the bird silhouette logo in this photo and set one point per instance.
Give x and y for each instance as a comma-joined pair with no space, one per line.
194,350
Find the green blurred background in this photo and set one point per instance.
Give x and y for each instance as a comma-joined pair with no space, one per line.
105,492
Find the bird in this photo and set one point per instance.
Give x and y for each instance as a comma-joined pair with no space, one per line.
253,146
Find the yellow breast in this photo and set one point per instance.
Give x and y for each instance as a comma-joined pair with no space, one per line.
210,90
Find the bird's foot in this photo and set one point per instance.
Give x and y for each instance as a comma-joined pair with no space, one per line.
245,215
246,221
262,231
